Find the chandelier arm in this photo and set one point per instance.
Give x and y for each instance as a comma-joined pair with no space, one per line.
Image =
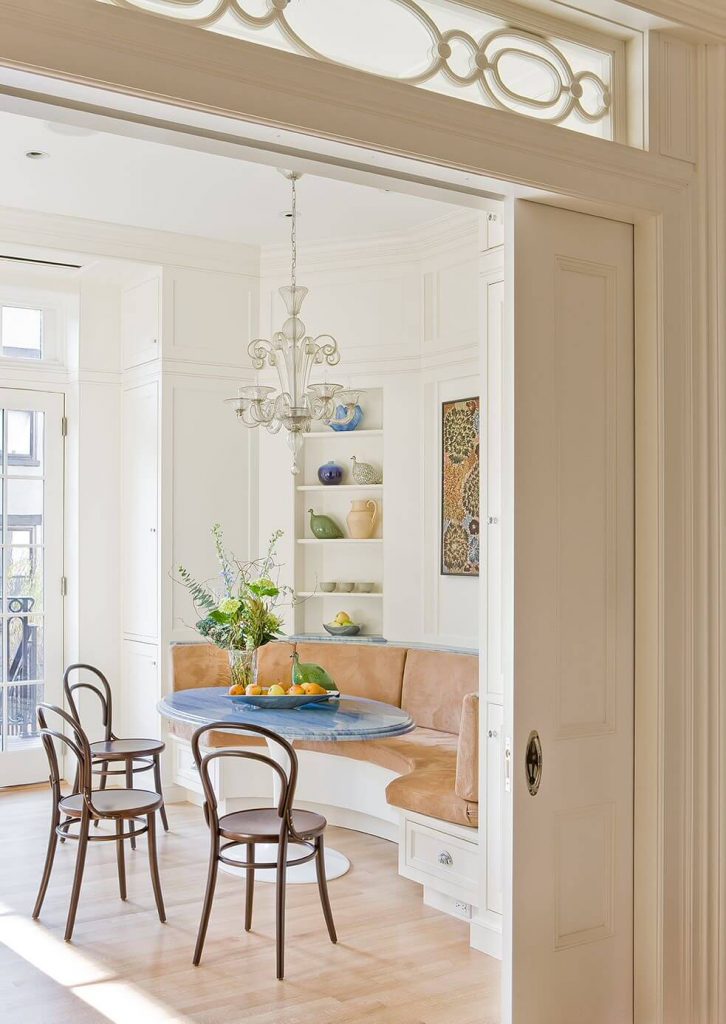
327,351
261,351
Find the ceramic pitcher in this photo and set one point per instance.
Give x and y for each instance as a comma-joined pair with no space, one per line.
362,518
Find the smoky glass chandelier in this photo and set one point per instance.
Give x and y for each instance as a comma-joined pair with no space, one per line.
297,403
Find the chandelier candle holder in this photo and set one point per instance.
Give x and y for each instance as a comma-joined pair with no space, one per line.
296,403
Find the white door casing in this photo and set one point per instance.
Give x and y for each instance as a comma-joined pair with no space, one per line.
571,865
31,616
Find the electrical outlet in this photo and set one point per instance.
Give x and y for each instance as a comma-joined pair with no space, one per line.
463,909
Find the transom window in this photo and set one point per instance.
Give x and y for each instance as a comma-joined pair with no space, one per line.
21,332
495,54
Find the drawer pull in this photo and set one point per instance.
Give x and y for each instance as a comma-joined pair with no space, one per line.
445,858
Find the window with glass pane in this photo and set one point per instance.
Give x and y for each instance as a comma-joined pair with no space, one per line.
22,580
21,332
552,71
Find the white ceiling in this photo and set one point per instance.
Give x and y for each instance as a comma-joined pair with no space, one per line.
146,184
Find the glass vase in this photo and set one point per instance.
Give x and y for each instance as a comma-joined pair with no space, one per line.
243,666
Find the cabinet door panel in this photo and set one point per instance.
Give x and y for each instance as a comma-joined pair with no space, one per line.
140,322
494,808
141,690
140,511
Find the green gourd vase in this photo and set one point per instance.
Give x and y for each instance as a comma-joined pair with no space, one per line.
323,527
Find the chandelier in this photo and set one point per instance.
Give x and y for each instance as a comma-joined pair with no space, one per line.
297,403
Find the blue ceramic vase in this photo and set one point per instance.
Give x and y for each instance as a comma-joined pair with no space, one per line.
341,412
330,473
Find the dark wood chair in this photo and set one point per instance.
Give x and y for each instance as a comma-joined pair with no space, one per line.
85,805
136,755
281,825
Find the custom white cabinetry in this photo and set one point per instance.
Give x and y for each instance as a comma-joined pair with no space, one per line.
140,497
141,322
140,671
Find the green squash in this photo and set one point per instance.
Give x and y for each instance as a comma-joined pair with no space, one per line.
306,672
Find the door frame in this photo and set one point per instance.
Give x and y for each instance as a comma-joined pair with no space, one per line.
96,64
52,404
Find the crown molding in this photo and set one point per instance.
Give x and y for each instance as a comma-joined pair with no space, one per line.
701,15
447,235
24,232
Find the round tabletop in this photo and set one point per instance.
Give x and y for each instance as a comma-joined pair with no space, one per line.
347,718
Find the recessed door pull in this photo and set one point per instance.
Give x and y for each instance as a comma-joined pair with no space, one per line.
533,762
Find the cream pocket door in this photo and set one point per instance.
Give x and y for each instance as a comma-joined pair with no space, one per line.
569,955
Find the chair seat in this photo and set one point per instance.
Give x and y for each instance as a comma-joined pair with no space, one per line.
262,824
114,803
120,750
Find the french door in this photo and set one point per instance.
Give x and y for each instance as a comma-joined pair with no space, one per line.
569,717
31,538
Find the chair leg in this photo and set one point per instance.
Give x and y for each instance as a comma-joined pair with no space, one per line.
102,785
280,907
78,876
130,785
208,898
323,887
120,858
49,858
154,866
74,790
157,783
249,886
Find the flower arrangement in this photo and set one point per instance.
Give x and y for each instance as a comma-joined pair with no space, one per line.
240,615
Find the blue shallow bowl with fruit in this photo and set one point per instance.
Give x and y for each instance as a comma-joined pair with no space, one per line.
286,702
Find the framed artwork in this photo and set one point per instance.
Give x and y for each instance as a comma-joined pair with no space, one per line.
460,487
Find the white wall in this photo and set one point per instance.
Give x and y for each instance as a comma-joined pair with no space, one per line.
406,315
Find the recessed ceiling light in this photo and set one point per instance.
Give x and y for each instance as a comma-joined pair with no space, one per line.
36,154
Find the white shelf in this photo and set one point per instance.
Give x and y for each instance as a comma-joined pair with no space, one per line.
337,593
340,540
340,487
342,433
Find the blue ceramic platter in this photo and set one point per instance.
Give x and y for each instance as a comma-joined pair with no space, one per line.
286,703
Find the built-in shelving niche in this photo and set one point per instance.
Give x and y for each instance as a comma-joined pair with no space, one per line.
345,559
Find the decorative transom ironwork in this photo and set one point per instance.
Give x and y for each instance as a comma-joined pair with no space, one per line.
496,63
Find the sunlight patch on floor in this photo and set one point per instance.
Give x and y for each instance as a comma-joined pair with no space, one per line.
118,1001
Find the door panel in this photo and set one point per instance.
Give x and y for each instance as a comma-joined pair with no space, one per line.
572,842
31,566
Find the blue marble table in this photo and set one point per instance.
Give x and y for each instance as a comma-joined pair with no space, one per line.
337,720
349,718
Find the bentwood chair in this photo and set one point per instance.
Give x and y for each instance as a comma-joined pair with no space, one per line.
85,805
135,755
274,825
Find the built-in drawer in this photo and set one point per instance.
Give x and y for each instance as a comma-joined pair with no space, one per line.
186,773
430,854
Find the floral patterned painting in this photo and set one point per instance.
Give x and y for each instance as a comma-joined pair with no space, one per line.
460,488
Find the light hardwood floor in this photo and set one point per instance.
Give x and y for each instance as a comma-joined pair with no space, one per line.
396,962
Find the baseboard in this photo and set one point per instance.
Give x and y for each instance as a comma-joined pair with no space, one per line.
487,938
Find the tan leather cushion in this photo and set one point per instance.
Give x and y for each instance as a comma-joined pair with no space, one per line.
430,790
467,755
426,760
360,670
198,664
434,686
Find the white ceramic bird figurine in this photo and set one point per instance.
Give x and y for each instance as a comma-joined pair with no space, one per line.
365,474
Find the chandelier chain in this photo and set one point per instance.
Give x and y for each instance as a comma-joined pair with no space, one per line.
293,235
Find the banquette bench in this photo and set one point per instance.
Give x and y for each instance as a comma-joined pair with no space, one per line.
420,788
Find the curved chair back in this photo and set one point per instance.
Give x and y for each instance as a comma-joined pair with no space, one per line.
287,779
77,743
101,689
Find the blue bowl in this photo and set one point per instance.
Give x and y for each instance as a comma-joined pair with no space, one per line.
286,703
340,413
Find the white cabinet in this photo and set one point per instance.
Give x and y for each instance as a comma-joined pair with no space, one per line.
494,828
141,690
140,497
140,322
